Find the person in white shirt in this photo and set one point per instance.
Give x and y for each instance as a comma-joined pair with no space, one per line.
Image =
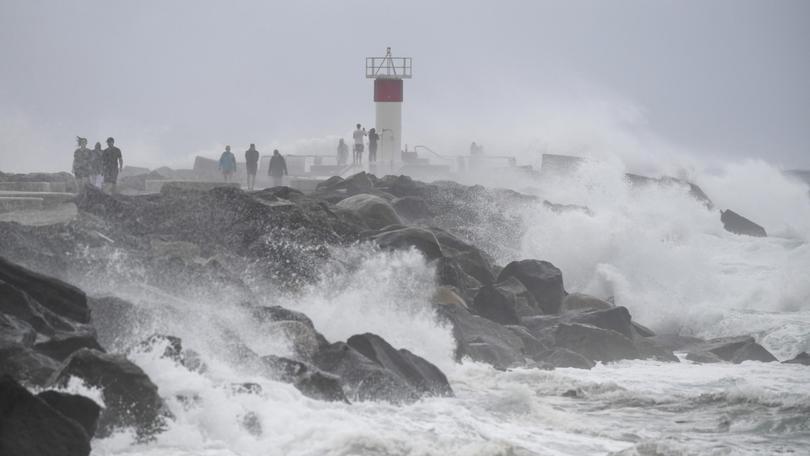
358,144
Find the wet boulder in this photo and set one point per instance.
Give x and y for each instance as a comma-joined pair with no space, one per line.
732,349
470,258
303,340
409,237
61,345
362,378
595,343
29,426
616,319
737,224
412,208
130,397
78,408
170,347
533,347
562,357
281,320
311,381
802,358
450,274
54,295
375,212
16,331
481,339
422,375
26,365
499,303
543,280
578,302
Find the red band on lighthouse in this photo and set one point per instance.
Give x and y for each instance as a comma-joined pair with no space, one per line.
388,90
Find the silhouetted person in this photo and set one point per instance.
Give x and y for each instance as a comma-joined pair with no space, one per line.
112,163
82,163
358,144
373,137
251,165
342,153
97,165
278,169
227,164
476,150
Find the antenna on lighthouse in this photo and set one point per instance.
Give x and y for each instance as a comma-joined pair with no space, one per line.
388,72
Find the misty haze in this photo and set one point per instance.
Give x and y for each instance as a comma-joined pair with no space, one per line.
404,228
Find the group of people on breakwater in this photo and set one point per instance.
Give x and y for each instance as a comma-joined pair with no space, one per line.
96,166
359,147
277,169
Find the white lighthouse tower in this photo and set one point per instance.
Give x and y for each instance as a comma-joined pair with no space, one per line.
388,73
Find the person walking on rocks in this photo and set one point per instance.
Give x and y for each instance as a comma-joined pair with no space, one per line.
251,165
358,135
112,163
342,153
278,169
373,137
82,163
97,166
227,163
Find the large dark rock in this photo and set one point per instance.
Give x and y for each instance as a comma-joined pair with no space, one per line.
470,258
15,331
117,320
26,365
412,208
481,339
562,357
310,381
595,343
496,303
737,224
130,397
616,319
375,212
407,237
423,376
732,349
449,273
802,358
362,378
29,426
287,323
579,302
543,280
78,408
54,295
62,345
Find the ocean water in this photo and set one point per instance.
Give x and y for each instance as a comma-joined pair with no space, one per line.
658,252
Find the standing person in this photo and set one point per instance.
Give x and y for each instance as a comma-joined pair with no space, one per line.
342,153
373,137
112,163
278,169
227,164
97,165
81,163
358,144
251,165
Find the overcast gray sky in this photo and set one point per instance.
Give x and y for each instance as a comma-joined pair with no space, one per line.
172,78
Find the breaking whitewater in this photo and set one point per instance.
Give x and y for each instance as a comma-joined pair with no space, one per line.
429,268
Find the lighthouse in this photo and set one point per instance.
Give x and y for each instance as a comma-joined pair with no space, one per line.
388,73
